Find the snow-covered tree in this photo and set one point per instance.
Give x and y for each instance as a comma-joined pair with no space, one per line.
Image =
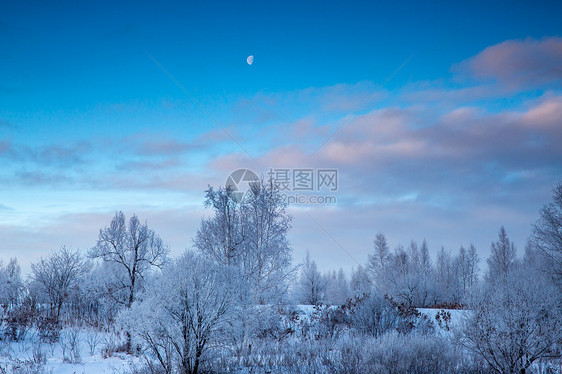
313,285
252,235
409,275
425,260
502,258
267,262
338,288
547,234
56,275
11,284
130,252
466,266
473,261
222,236
186,313
447,281
379,261
518,322
360,282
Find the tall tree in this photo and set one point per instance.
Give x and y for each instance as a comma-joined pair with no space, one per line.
222,236
446,278
267,259
503,256
133,249
425,259
252,235
547,234
130,250
462,265
312,284
379,260
473,266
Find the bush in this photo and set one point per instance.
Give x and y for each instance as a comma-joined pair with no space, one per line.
373,315
398,353
49,328
17,320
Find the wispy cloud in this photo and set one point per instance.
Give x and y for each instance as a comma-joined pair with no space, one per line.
47,155
5,208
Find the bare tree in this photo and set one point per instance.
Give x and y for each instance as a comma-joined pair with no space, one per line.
379,260
267,262
473,266
313,285
503,256
222,236
547,233
252,235
56,275
11,284
130,250
134,248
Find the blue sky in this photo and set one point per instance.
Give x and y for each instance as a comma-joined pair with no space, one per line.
452,117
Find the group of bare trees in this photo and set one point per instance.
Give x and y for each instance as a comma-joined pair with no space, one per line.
171,310
408,275
515,317
67,287
56,276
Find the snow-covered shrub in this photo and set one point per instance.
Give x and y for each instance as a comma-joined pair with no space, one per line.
518,322
93,338
398,353
49,328
70,344
328,322
17,319
372,315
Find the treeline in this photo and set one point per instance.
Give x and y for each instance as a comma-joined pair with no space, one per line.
406,274
229,303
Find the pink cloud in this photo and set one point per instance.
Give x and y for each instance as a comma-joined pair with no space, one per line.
546,114
518,63
157,147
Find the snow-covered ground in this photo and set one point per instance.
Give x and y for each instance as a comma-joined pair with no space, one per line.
93,353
